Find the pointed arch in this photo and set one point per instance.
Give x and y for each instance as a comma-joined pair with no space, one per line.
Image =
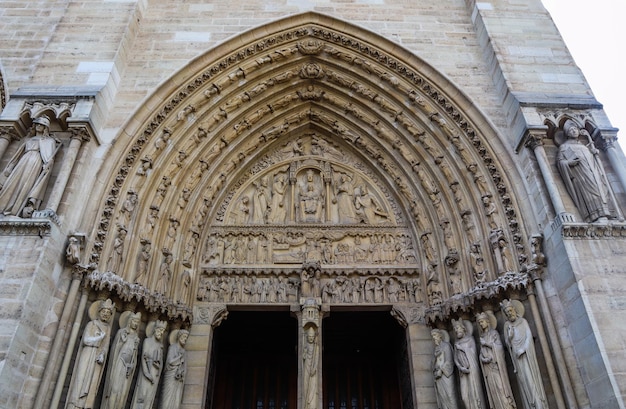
187,150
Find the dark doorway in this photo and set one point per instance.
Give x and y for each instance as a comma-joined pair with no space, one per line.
363,359
256,366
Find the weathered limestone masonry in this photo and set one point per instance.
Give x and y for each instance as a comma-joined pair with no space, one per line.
166,163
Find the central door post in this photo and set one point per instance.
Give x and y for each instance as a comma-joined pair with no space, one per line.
309,353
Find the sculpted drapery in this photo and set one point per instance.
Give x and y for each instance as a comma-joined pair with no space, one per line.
123,362
29,170
493,363
583,175
92,357
151,366
519,341
443,370
465,358
174,372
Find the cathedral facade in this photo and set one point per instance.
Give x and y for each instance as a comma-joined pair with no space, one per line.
305,205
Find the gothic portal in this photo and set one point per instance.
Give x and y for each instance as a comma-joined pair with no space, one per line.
310,216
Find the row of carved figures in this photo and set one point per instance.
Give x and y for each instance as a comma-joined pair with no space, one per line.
482,366
283,289
130,365
234,248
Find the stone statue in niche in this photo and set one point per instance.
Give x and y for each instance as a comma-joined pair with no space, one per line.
115,258
433,286
454,272
478,264
175,370
123,362
493,363
151,221
368,208
501,251
443,370
72,251
243,211
91,357
278,207
143,259
165,273
184,291
345,201
151,365
310,358
262,200
128,207
520,343
491,211
583,174
29,170
311,199
465,358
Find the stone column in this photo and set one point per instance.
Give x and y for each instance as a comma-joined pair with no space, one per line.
310,354
51,369
420,355
56,397
607,141
7,134
534,141
79,135
199,347
543,341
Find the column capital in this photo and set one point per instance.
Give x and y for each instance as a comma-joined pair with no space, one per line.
605,139
8,133
80,133
534,137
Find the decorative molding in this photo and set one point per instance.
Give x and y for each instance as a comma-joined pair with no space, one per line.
464,303
594,231
131,292
25,227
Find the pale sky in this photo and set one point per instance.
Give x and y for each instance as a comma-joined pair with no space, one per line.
595,33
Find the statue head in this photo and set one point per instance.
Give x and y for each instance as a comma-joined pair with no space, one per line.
509,310
42,120
483,320
183,334
459,328
134,320
105,311
159,329
571,129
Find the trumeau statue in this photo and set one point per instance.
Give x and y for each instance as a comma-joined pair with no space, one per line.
466,360
91,357
310,361
583,174
519,341
123,362
29,170
151,366
443,370
175,370
493,363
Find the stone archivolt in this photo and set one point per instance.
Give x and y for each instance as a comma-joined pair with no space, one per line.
311,102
